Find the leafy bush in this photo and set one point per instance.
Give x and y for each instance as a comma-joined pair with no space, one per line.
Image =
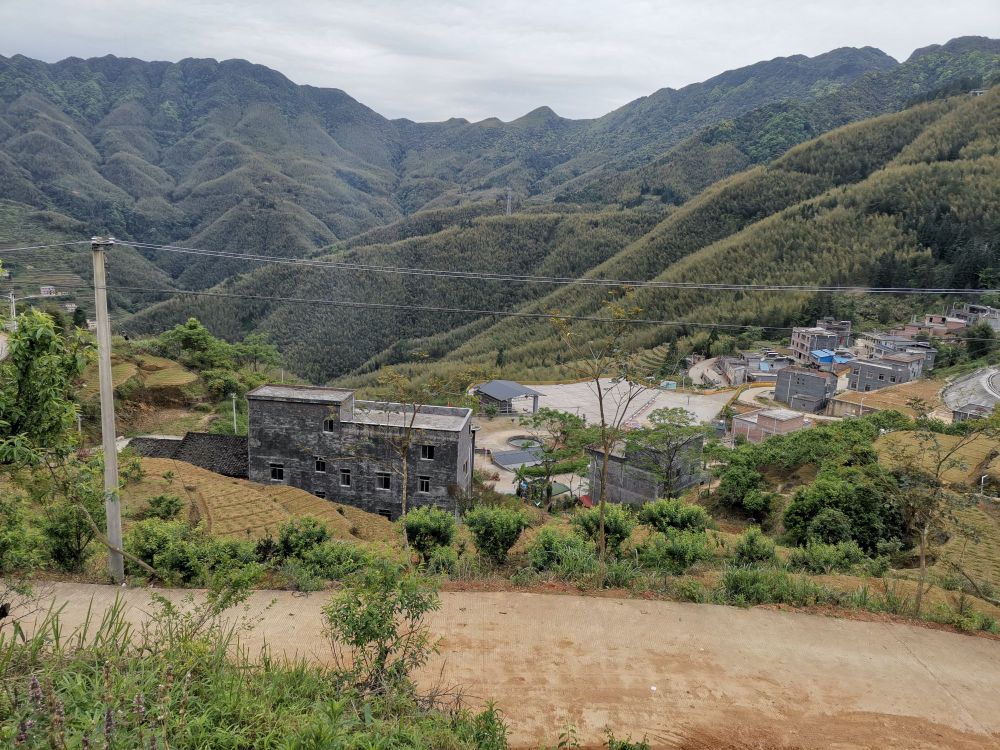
753,548
377,627
757,504
618,525
184,554
749,586
300,535
673,514
495,530
552,548
68,534
428,528
442,560
164,507
627,744
335,561
621,574
843,557
829,526
299,576
735,483
675,552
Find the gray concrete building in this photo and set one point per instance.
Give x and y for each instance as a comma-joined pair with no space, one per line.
633,478
806,340
804,389
324,441
873,374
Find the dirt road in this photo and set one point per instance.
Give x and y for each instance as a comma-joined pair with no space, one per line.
684,675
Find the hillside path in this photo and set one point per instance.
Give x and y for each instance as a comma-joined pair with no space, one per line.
685,675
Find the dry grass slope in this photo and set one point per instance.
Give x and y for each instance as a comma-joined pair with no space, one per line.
236,507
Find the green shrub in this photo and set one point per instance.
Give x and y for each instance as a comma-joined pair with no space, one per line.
748,586
621,574
758,504
673,514
754,548
495,530
68,535
183,554
690,590
553,548
300,535
736,482
675,552
164,507
299,576
428,528
336,561
829,526
844,557
442,560
618,525
626,744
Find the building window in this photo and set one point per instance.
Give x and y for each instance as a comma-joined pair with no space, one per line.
423,484
320,465
881,377
277,472
320,494
426,452
892,379
329,424
382,480
345,477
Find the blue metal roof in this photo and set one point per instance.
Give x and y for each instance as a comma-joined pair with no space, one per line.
821,353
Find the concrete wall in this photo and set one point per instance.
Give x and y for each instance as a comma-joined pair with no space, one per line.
803,390
291,434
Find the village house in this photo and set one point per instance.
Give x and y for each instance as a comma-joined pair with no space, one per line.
804,389
48,291
873,374
806,340
637,477
757,367
931,325
759,425
326,442
973,314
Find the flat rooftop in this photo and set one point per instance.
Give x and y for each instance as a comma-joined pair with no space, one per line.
390,414
778,415
303,393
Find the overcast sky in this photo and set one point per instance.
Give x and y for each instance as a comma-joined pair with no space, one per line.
432,59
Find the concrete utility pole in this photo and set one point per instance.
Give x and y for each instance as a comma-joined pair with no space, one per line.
233,396
508,202
112,506
13,312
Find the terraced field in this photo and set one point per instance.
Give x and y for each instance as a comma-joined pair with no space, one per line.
121,372
982,456
236,507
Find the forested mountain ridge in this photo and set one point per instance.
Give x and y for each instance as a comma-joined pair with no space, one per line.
235,156
798,218
909,199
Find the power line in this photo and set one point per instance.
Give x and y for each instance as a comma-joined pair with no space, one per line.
558,280
40,247
448,310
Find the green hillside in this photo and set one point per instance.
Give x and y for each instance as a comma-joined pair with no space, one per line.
916,193
234,156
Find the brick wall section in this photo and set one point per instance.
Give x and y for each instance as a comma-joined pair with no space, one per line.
291,434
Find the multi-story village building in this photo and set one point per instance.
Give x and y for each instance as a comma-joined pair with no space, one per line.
873,374
805,389
973,314
757,367
807,340
324,441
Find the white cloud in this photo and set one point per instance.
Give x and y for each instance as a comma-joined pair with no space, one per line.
467,58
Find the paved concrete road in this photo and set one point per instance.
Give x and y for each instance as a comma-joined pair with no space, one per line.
685,675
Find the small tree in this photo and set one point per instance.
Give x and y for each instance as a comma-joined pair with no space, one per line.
376,627
618,523
495,530
923,498
599,358
563,436
669,449
428,528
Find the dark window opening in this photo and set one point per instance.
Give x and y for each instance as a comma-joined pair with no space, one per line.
320,494
277,472
423,484
320,465
382,480
427,452
329,424
345,477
